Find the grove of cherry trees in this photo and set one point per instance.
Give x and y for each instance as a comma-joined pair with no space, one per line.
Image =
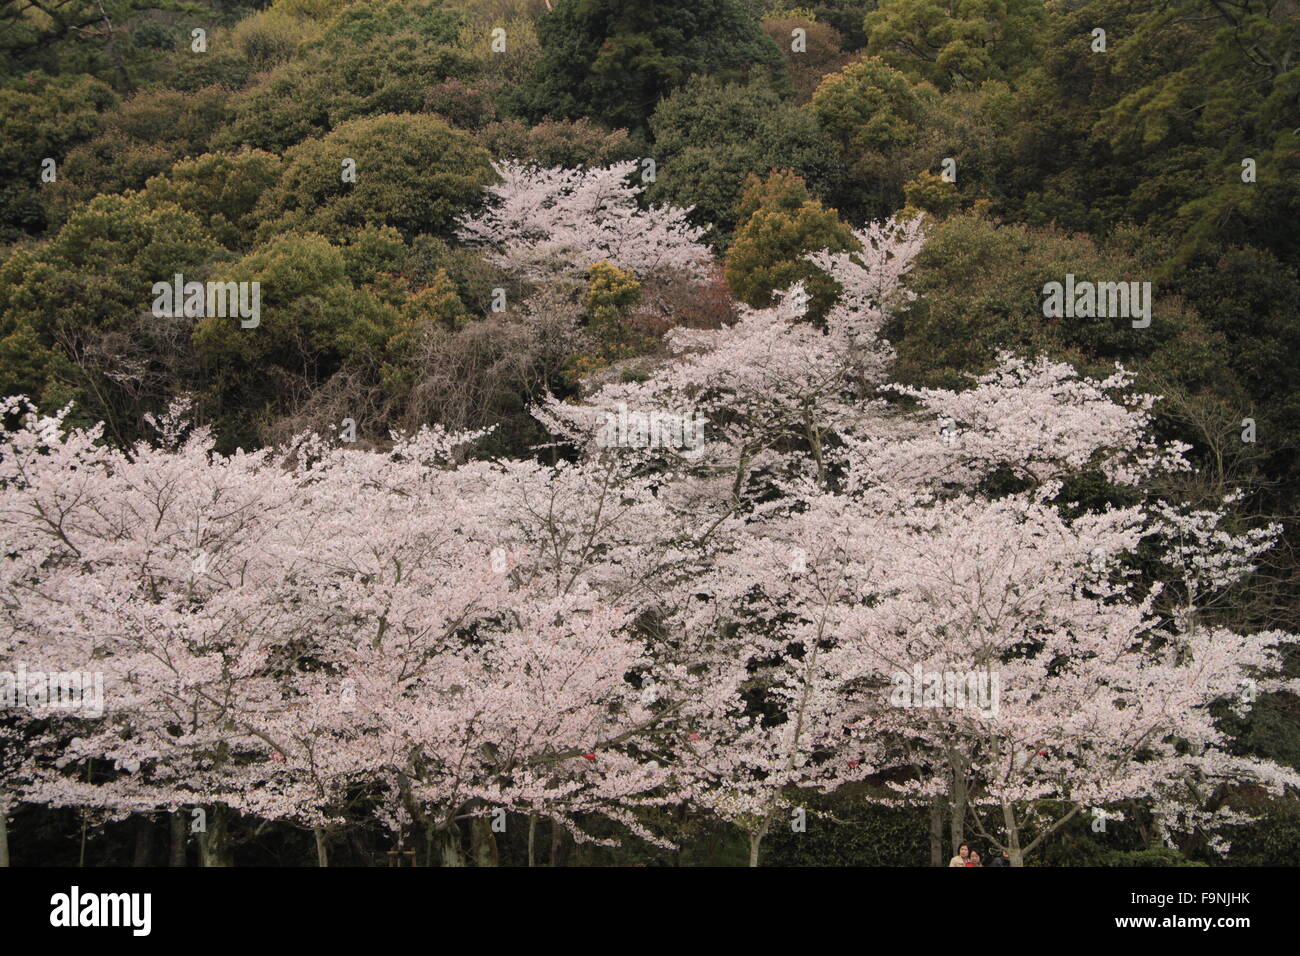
623,630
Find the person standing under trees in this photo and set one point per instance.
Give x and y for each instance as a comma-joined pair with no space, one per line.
963,854
1003,860
974,858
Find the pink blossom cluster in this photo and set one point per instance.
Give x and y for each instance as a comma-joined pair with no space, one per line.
287,632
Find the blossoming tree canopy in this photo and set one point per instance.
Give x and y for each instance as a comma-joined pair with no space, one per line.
722,623
547,222
273,636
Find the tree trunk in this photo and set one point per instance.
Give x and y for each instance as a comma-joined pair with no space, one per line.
322,851
557,834
1012,835
483,842
958,808
1148,837
178,829
214,845
936,831
532,839
756,837
143,840
4,836
451,851
361,849
682,815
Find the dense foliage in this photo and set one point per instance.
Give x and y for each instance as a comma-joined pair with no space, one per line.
496,217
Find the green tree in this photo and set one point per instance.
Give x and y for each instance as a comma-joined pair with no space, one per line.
868,106
956,45
931,194
611,293
436,306
42,118
710,135
1252,299
221,190
874,115
271,37
75,320
822,50
780,224
567,143
143,137
843,16
91,36
980,290
372,59
613,60
412,172
1155,130
314,323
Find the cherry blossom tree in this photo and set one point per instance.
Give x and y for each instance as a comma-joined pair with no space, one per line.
155,568
275,638
788,574
549,223
1098,691
775,391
